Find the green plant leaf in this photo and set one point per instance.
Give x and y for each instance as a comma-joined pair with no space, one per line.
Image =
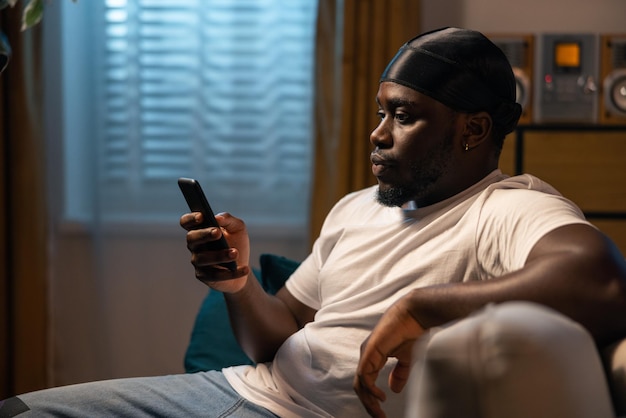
6,3
33,12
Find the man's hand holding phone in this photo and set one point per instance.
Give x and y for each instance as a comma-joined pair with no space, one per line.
219,244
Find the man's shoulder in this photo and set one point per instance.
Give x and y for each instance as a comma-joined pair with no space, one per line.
526,196
524,182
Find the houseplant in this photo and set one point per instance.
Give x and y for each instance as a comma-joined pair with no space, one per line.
31,15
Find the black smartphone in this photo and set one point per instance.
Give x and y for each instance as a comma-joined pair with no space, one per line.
197,202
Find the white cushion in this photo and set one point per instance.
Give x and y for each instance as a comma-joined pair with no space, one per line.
514,360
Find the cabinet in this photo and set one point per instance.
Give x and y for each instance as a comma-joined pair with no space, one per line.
587,164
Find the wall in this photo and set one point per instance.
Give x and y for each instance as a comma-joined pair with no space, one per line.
123,304
548,162
137,321
526,16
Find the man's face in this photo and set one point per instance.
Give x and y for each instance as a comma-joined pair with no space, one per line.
414,146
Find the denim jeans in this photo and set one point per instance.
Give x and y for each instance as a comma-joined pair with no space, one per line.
204,394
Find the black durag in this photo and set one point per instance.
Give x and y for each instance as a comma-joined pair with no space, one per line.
462,69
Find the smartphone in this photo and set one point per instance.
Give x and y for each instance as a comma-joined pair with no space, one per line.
197,202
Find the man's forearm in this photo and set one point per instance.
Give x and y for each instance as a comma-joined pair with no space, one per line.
589,287
261,322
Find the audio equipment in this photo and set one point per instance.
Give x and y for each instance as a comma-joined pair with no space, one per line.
519,51
613,73
566,78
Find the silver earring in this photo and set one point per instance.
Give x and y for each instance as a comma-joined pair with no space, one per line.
466,147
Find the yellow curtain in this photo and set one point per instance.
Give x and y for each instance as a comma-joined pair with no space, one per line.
355,41
23,307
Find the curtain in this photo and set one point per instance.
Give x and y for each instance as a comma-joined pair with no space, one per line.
23,260
355,41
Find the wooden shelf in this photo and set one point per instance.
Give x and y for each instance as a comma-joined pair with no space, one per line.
586,163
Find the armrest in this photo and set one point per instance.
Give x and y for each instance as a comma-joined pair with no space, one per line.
512,360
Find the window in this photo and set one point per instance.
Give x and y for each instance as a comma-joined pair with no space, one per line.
219,90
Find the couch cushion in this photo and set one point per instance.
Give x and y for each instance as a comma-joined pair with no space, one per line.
275,270
212,345
513,360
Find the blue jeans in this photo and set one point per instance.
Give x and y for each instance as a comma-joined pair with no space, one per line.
205,394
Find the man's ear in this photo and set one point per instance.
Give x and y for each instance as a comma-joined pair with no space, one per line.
478,128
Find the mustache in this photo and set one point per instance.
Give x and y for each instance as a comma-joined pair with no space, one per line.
381,158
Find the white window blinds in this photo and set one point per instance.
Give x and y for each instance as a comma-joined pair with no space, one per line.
219,90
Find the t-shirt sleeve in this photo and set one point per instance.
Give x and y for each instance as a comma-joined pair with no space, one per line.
303,283
512,221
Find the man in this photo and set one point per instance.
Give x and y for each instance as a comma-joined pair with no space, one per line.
569,266
443,234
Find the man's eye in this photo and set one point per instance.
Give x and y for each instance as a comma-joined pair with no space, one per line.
401,117
380,114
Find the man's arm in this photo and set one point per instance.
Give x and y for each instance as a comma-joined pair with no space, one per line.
261,322
574,269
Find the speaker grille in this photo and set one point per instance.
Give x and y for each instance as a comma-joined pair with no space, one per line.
619,53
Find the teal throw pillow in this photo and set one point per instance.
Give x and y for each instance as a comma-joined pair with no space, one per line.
213,345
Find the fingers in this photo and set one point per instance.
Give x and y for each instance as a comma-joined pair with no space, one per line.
370,364
213,274
194,220
202,238
399,376
191,221
229,223
205,256
369,394
209,252
393,337
188,220
370,397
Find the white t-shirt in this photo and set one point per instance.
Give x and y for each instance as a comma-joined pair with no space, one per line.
368,256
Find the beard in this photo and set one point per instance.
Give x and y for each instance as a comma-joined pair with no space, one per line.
423,175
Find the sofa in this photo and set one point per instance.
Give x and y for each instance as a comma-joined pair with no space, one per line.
516,360
511,360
